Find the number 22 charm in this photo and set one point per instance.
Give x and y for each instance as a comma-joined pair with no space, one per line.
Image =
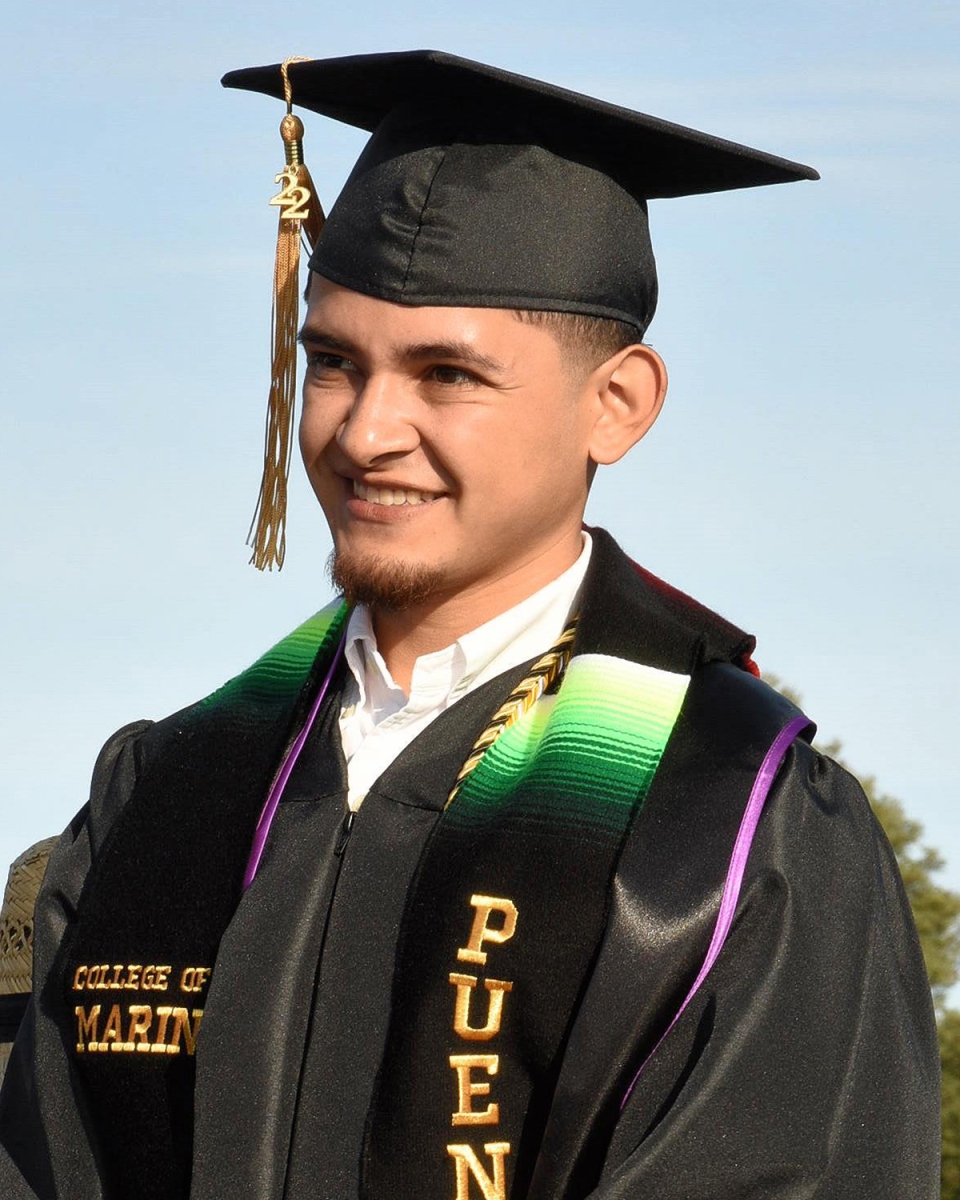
293,197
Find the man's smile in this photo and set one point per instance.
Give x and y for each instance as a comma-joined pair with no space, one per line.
392,495
388,502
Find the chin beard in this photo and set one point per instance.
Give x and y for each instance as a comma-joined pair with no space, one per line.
381,583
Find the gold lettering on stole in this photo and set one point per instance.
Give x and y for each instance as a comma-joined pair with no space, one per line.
141,1016
87,1037
163,1017
112,1035
467,1088
134,977
181,1024
489,1177
149,981
465,985
469,1165
159,979
194,979
481,932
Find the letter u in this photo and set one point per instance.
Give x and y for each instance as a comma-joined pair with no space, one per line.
465,985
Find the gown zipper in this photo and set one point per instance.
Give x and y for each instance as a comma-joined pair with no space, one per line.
340,846
345,828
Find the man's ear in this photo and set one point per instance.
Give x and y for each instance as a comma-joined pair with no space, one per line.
629,389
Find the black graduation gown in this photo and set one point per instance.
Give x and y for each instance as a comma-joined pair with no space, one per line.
806,1066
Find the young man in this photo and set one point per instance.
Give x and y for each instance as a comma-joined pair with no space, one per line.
505,875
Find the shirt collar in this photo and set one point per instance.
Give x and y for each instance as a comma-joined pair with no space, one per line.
522,632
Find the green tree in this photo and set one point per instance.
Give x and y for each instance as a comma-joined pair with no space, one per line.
949,1027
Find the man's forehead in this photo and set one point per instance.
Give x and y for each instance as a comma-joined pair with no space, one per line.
348,317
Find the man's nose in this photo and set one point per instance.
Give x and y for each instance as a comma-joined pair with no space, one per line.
379,423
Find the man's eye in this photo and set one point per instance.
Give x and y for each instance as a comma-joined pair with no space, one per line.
451,375
320,362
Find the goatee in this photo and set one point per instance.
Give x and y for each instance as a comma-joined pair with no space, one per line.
379,582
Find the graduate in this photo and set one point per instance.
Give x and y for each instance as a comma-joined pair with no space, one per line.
504,875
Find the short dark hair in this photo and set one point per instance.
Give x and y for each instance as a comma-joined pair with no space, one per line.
592,340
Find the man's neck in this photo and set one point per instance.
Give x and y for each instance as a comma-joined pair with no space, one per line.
402,637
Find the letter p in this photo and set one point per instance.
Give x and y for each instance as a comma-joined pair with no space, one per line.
481,932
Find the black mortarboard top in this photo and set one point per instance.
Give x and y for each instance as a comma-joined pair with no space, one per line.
481,187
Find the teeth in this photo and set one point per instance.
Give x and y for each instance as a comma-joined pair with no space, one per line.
390,496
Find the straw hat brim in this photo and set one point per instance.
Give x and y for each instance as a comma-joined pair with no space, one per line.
16,933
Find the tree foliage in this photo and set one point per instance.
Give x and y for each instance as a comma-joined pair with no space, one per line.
949,1028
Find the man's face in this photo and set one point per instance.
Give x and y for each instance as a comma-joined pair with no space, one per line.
447,447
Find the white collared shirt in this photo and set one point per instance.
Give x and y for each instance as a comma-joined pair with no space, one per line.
378,719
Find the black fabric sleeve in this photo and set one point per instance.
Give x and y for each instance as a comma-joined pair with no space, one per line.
45,1151
807,1065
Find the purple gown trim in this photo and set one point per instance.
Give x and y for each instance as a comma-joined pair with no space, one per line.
738,861
276,791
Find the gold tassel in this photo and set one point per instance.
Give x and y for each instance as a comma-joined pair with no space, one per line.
300,211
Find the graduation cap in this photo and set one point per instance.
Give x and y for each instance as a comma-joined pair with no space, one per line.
482,188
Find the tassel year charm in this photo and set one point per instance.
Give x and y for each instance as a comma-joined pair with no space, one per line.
300,211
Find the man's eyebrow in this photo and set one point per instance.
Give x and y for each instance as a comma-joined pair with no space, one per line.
452,350
447,350
314,334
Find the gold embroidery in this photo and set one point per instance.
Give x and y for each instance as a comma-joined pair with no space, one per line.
87,1028
465,984
181,1019
467,1165
104,977
141,1016
160,1045
183,1024
113,1031
194,979
467,1088
481,932
158,978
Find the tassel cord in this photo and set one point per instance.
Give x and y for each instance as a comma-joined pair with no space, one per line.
301,217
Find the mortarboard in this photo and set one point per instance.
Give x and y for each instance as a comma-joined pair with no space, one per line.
479,187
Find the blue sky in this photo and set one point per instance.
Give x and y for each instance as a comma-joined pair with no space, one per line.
803,478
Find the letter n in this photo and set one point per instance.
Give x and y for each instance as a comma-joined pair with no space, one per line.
181,1024
468,1165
